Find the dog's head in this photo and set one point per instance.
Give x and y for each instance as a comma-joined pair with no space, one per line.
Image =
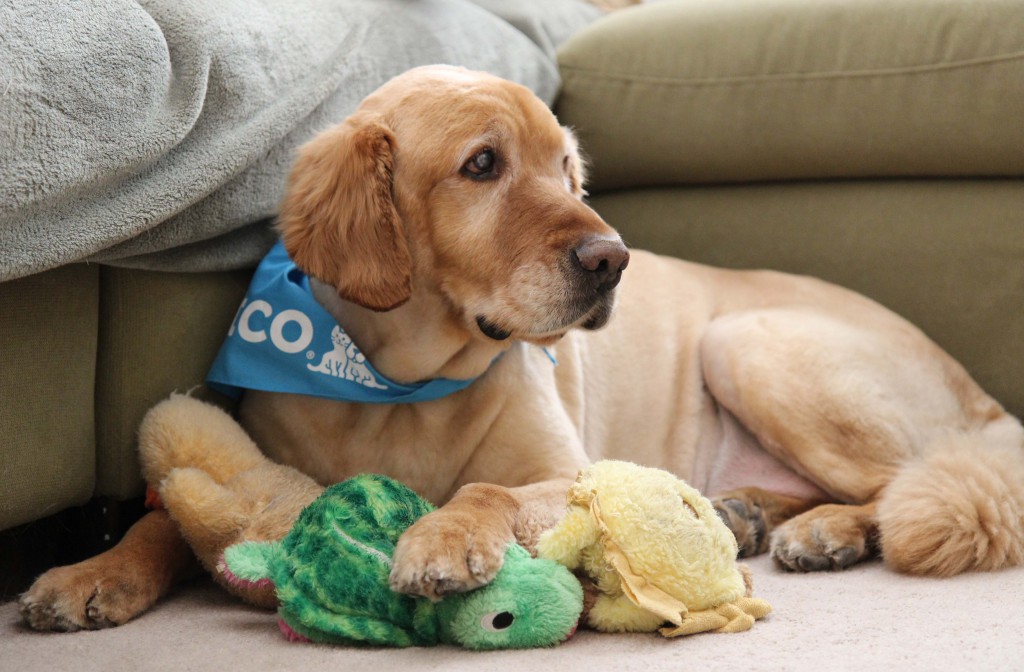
463,184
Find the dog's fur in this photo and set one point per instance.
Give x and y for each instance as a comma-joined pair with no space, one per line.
834,426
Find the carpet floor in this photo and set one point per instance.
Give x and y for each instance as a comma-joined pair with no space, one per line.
866,618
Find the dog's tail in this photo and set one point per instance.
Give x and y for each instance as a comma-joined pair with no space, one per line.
960,507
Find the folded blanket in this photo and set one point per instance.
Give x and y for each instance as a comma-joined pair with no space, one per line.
157,134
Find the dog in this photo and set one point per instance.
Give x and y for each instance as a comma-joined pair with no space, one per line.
444,227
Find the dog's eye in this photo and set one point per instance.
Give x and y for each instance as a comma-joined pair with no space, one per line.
481,166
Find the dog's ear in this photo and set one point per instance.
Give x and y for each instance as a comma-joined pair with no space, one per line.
576,163
338,219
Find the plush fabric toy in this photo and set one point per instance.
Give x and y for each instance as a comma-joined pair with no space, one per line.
331,568
203,468
331,575
656,551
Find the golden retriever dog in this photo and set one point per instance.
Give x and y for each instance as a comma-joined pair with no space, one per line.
444,227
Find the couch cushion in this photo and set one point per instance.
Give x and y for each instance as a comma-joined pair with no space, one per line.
47,367
158,334
731,90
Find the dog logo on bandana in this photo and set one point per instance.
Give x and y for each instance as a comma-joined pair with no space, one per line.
345,361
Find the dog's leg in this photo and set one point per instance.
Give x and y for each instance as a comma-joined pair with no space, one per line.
461,546
752,514
115,586
848,404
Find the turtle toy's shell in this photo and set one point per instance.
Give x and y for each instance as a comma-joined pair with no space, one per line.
656,552
337,559
668,531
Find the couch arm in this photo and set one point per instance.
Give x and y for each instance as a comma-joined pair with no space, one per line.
749,90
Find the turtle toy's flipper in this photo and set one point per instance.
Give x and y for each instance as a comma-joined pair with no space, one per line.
249,564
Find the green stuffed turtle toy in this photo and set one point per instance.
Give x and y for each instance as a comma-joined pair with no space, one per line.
331,572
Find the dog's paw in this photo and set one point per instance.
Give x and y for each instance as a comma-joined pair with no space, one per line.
747,522
86,596
828,537
446,553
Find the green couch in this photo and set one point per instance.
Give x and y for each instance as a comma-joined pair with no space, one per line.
876,144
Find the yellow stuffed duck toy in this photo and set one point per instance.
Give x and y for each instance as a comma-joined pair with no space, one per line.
656,551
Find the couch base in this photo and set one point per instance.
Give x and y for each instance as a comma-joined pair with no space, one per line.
86,351
49,328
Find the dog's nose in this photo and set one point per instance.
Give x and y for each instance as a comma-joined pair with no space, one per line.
602,259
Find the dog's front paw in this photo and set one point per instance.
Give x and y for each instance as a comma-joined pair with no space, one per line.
86,596
448,552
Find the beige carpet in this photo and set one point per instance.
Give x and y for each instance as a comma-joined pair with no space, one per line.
863,619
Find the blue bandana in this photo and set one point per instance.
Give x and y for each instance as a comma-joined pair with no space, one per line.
282,340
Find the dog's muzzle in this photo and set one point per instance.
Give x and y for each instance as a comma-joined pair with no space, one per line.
601,261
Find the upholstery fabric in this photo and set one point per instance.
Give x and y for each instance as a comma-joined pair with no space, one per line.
158,333
737,90
48,331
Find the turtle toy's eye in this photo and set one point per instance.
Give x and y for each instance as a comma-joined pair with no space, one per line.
497,621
